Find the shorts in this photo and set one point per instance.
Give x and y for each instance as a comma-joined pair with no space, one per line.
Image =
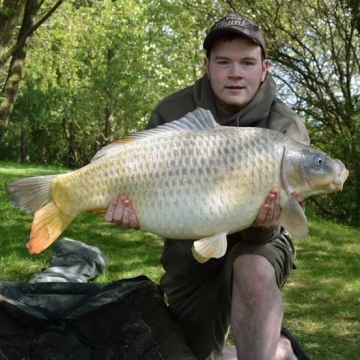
199,295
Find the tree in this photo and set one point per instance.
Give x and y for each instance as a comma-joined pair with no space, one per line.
96,77
13,48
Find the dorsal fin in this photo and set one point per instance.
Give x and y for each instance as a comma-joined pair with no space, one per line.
197,120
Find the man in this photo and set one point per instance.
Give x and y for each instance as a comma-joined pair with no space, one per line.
243,287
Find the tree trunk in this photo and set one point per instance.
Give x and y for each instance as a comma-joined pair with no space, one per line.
12,83
109,111
17,51
23,146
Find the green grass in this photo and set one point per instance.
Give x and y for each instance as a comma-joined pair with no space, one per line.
322,297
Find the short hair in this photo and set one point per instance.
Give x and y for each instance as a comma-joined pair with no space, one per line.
228,37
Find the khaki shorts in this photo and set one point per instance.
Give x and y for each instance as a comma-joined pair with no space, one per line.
199,295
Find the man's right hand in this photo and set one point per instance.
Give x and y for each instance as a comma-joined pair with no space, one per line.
121,213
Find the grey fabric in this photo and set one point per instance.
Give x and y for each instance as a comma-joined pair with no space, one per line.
72,261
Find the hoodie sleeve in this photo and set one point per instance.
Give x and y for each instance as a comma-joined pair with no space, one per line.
155,120
284,119
261,234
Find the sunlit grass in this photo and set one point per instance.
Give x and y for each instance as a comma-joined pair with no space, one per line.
321,298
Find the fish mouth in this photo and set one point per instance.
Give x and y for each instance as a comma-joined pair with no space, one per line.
338,183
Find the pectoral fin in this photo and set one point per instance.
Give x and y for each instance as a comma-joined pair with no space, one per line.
293,218
209,247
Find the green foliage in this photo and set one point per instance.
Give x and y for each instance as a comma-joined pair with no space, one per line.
110,62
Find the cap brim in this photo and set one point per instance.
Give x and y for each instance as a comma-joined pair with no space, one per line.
219,33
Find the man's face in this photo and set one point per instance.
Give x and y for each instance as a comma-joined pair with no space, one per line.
235,71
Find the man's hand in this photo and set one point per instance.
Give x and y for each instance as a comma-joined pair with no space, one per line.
121,213
269,214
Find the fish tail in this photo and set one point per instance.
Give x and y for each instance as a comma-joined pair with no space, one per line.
34,195
49,222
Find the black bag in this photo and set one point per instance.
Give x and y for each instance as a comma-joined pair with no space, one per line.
126,319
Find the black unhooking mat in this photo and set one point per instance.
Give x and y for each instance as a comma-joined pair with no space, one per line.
126,319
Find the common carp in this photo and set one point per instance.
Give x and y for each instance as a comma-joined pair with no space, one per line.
188,179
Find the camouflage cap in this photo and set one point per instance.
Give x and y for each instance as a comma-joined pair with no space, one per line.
235,23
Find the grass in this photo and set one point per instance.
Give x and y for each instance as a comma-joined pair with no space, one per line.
322,297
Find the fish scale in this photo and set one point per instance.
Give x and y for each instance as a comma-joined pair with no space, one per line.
218,185
217,182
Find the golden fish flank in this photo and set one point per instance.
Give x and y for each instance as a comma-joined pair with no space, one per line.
189,179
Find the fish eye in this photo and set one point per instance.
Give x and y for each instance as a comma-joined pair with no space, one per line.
319,160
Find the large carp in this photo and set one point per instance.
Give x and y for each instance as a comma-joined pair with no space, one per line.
189,179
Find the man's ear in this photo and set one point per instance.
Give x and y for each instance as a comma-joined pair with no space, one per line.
265,68
206,65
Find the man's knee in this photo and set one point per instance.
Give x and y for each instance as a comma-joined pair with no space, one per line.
253,273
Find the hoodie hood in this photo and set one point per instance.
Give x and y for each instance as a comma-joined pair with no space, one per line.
258,108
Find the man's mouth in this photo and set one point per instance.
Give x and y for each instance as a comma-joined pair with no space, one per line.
234,87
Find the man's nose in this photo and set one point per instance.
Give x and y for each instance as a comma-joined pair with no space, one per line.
235,71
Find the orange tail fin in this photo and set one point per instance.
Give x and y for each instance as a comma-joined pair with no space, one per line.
49,222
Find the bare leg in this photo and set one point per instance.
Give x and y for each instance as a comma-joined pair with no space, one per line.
257,311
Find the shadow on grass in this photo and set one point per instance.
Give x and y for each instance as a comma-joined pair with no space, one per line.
130,253
127,250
